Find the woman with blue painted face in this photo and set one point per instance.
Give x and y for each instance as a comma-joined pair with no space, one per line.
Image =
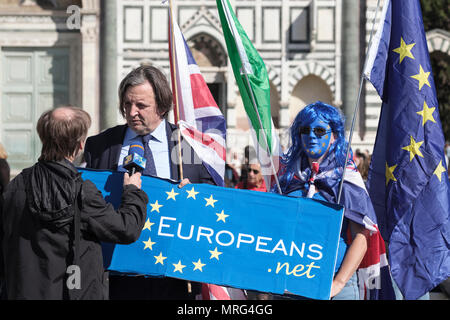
312,167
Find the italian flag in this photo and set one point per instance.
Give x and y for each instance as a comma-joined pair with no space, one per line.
251,76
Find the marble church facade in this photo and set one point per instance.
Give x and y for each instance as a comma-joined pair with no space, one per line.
76,52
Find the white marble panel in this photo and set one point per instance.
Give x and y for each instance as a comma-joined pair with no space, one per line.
133,23
325,27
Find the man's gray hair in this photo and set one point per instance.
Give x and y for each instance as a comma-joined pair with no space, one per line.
159,83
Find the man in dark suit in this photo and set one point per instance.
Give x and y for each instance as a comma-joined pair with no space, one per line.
145,100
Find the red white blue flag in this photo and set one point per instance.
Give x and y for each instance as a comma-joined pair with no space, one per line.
373,272
200,120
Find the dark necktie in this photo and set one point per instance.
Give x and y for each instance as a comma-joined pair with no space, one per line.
150,168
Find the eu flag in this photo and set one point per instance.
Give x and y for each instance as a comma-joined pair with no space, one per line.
408,179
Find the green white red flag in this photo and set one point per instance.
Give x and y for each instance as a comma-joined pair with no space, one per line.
252,79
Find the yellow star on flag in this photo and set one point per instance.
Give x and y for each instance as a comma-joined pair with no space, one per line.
222,216
178,266
160,259
210,201
439,170
171,195
215,253
199,265
148,225
426,113
422,77
390,173
191,193
149,244
413,149
156,206
404,50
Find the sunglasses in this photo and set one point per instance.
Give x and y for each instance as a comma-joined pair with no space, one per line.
253,170
318,131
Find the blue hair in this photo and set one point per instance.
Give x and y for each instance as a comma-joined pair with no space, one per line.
305,117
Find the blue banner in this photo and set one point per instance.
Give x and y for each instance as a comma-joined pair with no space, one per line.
230,237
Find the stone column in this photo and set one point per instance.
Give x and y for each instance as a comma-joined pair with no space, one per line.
108,65
285,123
285,120
350,57
90,66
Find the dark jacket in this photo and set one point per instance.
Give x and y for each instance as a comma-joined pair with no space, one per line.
37,214
4,174
102,151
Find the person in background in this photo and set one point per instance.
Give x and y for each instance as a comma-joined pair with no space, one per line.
52,222
249,153
232,169
255,180
362,163
231,177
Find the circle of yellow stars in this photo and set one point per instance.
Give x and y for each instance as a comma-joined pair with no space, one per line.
405,51
191,193
324,145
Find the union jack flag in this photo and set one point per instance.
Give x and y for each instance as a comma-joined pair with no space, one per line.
200,120
373,272
202,124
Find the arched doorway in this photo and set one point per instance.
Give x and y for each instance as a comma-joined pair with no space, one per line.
309,89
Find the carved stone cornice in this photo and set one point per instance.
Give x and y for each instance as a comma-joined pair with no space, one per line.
32,18
202,12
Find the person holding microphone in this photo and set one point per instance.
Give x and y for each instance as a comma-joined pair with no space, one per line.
52,221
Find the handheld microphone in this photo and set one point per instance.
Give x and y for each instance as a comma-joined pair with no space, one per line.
135,160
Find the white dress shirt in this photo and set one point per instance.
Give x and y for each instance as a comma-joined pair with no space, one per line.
158,144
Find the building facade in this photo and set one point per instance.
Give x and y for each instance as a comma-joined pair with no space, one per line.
49,56
77,52
299,41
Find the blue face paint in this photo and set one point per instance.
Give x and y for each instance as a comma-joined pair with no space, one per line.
316,138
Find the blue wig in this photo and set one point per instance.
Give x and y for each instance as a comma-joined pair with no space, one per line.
305,117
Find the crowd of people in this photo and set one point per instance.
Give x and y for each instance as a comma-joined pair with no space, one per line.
52,222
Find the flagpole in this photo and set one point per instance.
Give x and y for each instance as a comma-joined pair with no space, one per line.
177,113
174,82
255,108
361,83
